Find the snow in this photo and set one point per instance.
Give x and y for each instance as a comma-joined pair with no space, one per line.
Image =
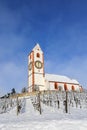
51,118
60,78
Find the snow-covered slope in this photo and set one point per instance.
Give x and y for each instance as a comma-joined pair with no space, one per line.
51,118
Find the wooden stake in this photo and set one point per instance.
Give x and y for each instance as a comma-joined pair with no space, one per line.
66,104
39,103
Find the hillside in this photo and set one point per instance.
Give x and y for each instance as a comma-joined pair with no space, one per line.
50,118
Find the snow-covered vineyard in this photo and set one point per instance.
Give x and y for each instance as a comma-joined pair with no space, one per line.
49,109
55,99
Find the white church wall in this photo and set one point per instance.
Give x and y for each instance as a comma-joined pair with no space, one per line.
30,89
30,81
61,86
77,88
69,86
38,79
51,86
38,70
47,85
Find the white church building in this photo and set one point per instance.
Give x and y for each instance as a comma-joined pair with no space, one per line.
39,80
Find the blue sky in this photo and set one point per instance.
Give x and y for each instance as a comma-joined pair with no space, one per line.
59,26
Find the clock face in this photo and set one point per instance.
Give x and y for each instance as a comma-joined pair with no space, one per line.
30,66
38,64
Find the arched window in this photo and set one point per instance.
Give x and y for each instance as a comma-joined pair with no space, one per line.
38,55
73,88
65,87
56,85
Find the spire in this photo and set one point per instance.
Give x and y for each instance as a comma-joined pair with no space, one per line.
37,47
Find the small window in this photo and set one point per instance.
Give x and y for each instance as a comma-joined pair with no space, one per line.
55,85
73,88
38,55
65,87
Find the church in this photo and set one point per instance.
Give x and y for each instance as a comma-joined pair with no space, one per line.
38,80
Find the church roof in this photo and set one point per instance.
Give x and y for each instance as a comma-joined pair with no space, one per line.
37,47
59,78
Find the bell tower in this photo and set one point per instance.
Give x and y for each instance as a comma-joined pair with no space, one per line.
36,69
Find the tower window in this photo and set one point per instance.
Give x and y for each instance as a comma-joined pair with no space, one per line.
38,55
55,85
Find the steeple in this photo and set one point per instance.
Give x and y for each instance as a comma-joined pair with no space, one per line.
36,69
37,47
